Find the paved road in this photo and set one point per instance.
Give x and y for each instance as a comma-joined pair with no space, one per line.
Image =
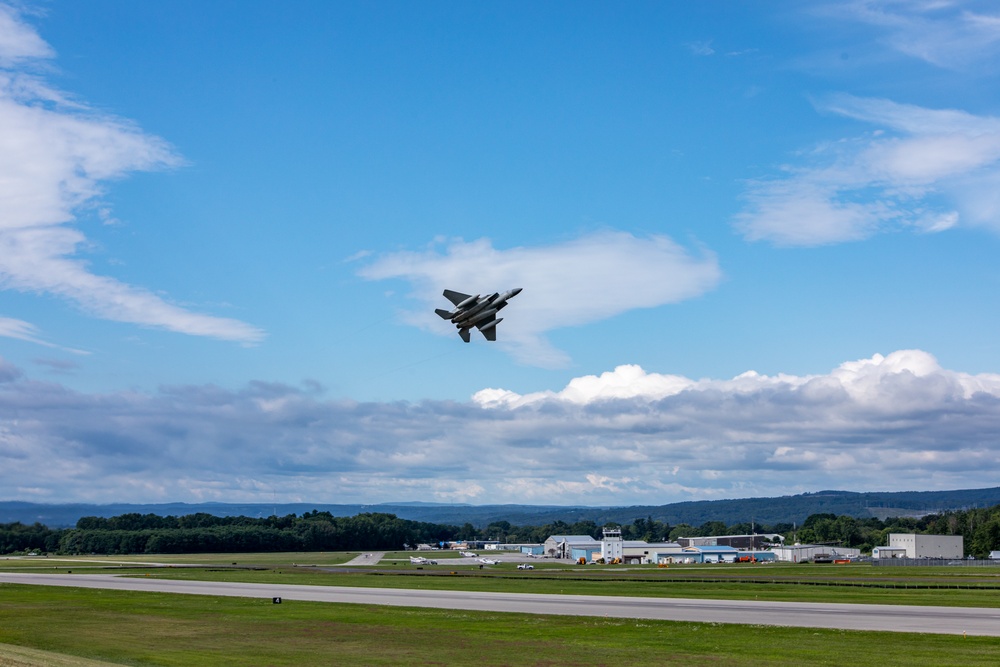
892,618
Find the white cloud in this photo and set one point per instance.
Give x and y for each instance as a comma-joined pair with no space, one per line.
624,382
21,330
584,280
55,156
954,34
923,169
701,48
893,422
865,380
18,41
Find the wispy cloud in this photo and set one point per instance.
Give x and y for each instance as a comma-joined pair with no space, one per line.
584,280
18,41
56,154
925,169
58,366
703,48
954,34
892,422
21,330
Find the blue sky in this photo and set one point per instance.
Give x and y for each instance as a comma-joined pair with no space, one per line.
757,244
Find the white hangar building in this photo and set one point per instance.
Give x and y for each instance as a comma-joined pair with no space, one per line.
801,553
562,546
928,546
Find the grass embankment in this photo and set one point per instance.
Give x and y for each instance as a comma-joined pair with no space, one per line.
19,656
159,629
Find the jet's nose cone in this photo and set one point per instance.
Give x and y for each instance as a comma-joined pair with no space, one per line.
516,291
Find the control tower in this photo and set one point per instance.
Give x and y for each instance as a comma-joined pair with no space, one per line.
611,545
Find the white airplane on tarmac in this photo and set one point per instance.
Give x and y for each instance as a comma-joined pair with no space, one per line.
420,560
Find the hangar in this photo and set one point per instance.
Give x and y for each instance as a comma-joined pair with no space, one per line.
639,552
751,541
928,546
562,546
888,552
801,553
610,548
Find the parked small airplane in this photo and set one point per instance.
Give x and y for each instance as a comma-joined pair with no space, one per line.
488,561
476,311
420,560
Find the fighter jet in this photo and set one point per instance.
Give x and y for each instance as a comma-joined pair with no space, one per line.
476,311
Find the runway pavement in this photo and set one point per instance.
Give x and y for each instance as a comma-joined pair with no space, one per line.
370,558
891,618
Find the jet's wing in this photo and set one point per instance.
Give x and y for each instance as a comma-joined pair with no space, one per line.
455,297
491,331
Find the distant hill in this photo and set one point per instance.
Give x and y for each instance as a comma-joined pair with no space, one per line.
769,511
795,509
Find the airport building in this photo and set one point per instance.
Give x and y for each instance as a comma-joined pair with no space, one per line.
637,551
610,547
563,546
587,553
755,541
888,552
710,554
928,546
513,546
803,553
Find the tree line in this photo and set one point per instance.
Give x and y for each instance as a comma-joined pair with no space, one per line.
206,533
321,531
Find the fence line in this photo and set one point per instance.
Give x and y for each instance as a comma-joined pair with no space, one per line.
925,562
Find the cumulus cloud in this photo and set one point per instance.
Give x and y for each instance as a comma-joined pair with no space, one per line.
56,155
628,436
922,169
591,278
953,34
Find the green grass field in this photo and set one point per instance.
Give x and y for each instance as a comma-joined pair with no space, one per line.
160,629
129,628
855,583
251,559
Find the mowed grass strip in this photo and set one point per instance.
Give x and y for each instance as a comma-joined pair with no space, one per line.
911,590
785,582
160,629
19,656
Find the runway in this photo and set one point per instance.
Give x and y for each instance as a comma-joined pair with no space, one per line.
890,618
